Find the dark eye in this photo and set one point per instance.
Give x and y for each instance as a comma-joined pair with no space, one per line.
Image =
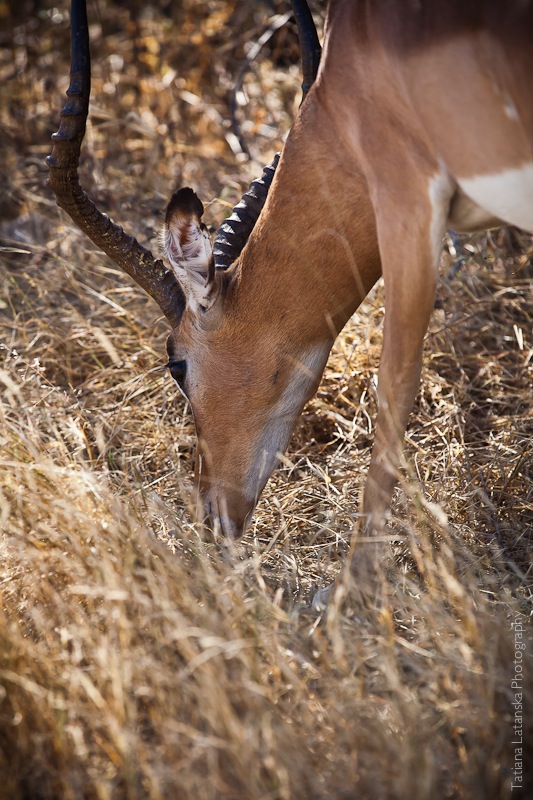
178,370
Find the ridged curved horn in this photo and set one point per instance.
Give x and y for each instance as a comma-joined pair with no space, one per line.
309,44
235,231
124,250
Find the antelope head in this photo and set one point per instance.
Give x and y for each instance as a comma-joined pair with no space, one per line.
218,347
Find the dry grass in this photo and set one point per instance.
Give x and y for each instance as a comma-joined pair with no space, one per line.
137,661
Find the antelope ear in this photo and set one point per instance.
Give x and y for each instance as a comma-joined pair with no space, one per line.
186,245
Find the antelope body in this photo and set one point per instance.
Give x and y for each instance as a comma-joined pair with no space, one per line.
421,117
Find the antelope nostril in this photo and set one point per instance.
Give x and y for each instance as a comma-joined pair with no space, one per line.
208,513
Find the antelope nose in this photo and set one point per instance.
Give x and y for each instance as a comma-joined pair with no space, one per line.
226,516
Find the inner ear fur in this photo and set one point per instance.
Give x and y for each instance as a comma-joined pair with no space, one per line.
187,247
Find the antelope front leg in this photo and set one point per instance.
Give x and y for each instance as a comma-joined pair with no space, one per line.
398,382
410,255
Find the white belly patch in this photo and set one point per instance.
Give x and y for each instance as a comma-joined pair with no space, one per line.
506,195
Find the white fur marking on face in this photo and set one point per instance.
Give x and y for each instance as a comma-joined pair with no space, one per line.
188,250
510,109
283,416
507,195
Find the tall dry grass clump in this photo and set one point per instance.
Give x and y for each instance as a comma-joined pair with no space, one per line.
130,670
138,659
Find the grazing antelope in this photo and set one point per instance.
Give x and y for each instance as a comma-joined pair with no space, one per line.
421,117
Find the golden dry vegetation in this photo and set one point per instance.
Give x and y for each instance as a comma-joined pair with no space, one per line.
137,660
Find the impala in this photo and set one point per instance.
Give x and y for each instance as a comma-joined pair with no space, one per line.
421,117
